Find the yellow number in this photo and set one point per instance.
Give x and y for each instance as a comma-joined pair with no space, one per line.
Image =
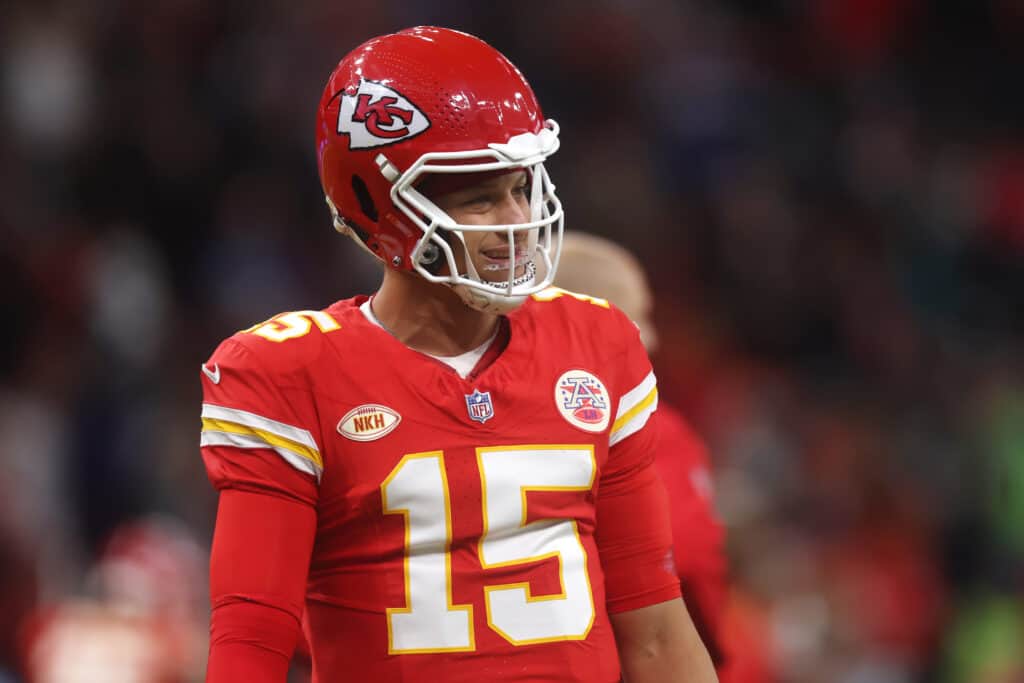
293,325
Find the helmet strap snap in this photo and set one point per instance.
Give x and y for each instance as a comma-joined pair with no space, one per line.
431,253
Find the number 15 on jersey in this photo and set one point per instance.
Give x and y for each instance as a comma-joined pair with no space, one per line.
417,488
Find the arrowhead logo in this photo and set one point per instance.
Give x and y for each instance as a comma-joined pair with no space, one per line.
212,375
375,115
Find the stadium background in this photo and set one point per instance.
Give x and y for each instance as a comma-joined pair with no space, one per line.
829,196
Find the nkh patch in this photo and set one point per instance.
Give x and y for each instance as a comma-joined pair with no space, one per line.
479,406
368,422
582,400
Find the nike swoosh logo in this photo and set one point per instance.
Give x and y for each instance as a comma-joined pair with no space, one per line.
213,375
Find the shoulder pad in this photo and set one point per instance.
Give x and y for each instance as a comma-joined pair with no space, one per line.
288,341
555,293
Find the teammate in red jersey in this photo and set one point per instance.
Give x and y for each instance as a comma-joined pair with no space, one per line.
452,480
600,267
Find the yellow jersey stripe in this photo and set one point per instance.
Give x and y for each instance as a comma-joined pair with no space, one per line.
244,417
273,440
635,410
634,396
638,422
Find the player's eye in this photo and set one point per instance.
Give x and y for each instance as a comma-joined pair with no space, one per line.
476,200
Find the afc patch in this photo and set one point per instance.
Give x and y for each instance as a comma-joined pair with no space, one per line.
479,406
582,400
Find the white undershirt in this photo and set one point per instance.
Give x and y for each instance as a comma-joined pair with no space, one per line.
463,363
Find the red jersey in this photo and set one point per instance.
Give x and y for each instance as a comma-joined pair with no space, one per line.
699,538
458,533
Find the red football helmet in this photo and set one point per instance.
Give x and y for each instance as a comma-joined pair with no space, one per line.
424,101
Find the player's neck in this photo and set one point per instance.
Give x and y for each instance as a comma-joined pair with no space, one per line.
429,317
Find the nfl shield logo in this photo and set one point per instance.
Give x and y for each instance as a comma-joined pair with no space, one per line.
479,407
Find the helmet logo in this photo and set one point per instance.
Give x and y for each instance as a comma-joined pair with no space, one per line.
373,115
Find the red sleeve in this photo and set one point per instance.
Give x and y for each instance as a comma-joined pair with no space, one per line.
260,445
258,566
633,532
635,543
259,428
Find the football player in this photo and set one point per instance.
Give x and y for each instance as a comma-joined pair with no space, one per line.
453,479
600,267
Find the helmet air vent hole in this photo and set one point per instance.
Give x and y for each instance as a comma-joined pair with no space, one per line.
365,200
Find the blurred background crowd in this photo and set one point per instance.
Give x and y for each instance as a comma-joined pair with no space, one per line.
828,195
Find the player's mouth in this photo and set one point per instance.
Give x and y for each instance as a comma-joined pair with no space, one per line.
497,258
524,275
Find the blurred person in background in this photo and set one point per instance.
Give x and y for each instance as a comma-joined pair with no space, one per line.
142,618
19,587
591,265
367,455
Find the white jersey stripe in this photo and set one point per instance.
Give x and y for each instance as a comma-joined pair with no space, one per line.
299,462
635,423
242,417
632,398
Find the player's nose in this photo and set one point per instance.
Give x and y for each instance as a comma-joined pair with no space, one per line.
512,210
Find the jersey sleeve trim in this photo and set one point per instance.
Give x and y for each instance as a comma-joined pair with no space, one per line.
239,428
635,408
